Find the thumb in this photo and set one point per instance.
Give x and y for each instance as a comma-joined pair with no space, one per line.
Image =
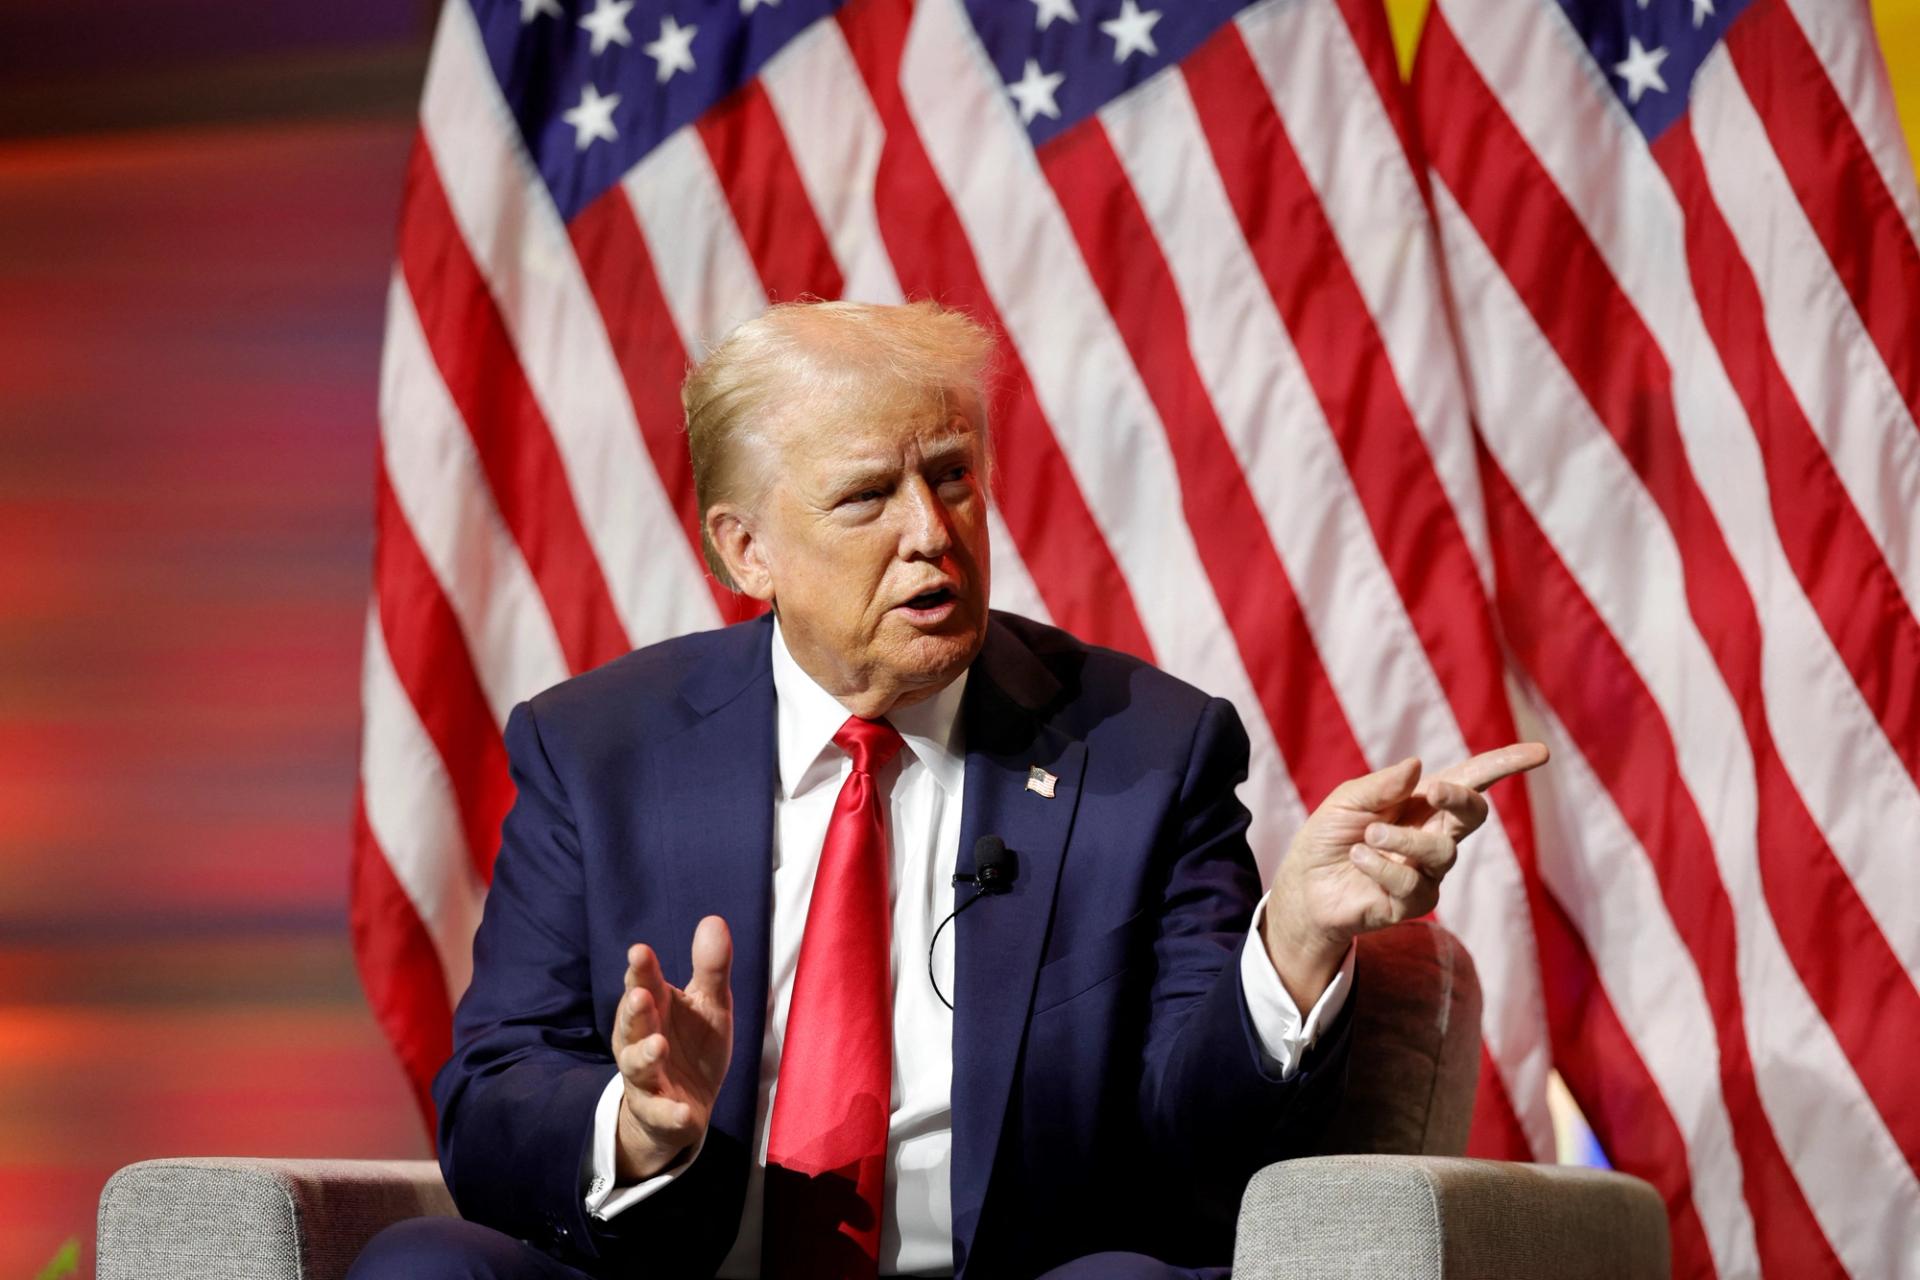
1381,790
712,962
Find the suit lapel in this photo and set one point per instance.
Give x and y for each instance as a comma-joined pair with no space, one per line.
998,943
710,799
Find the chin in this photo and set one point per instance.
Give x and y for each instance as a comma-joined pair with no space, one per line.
937,657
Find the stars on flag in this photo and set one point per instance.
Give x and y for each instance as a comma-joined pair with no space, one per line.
673,50
1048,61
592,120
607,24
748,6
1132,31
531,9
1045,11
1702,10
1034,92
1640,69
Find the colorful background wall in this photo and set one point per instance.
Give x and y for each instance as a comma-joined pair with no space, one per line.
196,218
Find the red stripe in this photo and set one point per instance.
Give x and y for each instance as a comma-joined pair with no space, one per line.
770,203
1834,558
398,967
1335,335
1366,22
1833,174
1231,535
1576,663
1072,566
1605,1074
653,362
1597,694
482,372
1833,553
1340,348
1860,987
1496,1133
430,657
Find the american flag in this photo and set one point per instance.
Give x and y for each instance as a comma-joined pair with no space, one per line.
1234,436
1681,241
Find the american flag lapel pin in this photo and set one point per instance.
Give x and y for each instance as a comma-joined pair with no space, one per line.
1040,782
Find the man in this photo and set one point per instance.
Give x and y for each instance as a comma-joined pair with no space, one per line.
715,1026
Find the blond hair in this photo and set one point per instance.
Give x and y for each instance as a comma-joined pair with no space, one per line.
841,358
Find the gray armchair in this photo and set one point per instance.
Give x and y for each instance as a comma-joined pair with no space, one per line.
1389,1196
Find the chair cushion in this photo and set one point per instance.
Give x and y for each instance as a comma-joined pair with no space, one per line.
1415,1059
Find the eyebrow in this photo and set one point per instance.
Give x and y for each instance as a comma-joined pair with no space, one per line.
861,472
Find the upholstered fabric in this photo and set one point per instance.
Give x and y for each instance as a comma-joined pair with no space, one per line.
1423,1218
1416,1046
1409,1214
246,1219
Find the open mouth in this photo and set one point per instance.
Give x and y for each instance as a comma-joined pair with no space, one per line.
931,599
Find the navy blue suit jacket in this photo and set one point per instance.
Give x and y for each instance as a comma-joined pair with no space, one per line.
1108,1090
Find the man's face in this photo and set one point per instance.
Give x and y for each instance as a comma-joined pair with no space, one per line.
873,535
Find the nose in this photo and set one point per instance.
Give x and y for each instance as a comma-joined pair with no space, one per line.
924,533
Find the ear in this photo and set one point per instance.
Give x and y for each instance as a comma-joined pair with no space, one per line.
741,550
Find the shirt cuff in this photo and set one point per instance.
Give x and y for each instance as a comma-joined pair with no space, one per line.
1283,1035
604,1200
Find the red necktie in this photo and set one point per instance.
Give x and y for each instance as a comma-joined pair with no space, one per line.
827,1149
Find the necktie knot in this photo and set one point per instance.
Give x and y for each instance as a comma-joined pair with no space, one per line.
872,743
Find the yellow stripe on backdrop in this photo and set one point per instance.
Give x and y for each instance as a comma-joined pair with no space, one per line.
1899,24
1898,21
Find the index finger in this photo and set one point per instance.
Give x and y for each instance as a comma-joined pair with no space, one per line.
1487,768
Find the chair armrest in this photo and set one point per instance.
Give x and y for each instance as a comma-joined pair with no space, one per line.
1427,1217
248,1219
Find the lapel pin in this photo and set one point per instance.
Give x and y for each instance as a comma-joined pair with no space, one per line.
1040,782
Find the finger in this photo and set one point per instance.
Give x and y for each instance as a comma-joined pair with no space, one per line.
1381,790
647,976
1410,893
643,1062
1462,809
638,1018
1487,768
1432,853
636,958
712,962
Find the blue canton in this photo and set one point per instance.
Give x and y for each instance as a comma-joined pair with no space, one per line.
1650,50
1082,54
547,67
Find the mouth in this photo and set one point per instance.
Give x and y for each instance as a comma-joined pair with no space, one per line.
933,605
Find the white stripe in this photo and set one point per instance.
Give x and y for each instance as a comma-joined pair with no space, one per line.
1082,377
412,813
706,273
1601,877
1818,337
835,136
1843,38
442,492
521,247
1284,446
1829,739
1352,156
1614,541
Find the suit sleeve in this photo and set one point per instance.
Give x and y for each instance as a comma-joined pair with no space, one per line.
517,1098
1213,1109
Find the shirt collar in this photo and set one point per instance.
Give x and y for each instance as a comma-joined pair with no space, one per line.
807,716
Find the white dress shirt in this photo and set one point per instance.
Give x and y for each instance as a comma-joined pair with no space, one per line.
925,786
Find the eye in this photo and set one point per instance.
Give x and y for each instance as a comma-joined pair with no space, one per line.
954,474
